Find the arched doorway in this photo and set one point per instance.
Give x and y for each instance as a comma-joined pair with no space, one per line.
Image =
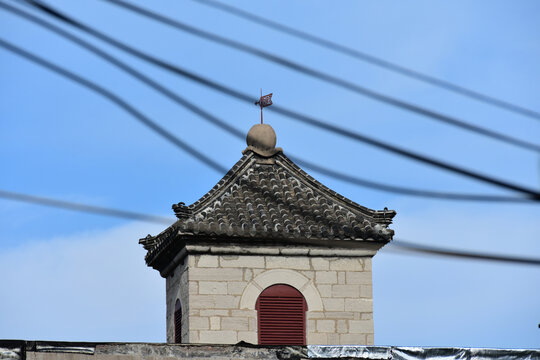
281,316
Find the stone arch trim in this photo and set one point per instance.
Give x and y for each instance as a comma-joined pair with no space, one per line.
281,276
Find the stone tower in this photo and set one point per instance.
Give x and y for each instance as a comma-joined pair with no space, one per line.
269,256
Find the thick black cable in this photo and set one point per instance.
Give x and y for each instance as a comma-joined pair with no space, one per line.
73,206
404,190
323,76
533,194
125,67
372,59
406,153
430,250
123,104
289,113
241,135
397,244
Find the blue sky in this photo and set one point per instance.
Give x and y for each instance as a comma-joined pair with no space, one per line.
73,276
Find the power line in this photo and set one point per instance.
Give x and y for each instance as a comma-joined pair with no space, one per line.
430,250
323,76
241,135
372,59
398,244
533,194
123,104
125,67
407,191
92,209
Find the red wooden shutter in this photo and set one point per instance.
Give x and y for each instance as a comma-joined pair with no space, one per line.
178,322
281,316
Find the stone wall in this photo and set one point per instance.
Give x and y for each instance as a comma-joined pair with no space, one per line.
177,288
223,290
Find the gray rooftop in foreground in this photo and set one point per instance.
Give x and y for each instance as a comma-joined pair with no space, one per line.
45,350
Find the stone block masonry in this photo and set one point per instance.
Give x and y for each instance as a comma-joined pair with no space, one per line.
178,287
219,292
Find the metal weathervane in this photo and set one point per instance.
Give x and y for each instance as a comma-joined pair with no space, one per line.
263,102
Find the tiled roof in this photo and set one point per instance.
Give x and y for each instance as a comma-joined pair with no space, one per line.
272,198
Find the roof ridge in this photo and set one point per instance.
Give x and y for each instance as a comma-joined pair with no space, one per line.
229,177
380,216
363,209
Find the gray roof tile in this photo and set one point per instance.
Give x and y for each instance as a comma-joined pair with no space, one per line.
272,198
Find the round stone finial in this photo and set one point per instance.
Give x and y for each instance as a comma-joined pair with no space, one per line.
261,139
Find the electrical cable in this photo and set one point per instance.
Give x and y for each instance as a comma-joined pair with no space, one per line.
405,190
430,250
125,67
73,206
533,194
241,135
397,244
373,60
320,75
120,102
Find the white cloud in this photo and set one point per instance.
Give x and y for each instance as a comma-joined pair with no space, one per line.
440,301
88,287
96,286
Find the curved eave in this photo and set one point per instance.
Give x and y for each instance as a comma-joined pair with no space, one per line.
162,255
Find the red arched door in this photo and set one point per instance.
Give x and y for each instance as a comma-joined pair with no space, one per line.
281,316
